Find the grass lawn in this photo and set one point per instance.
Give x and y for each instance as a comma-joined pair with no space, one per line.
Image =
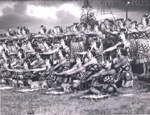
15,103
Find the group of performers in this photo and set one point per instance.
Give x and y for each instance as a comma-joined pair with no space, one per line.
87,57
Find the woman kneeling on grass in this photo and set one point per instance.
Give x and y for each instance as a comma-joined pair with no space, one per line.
123,67
75,67
103,80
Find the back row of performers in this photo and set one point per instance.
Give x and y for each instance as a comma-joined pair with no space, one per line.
110,26
77,54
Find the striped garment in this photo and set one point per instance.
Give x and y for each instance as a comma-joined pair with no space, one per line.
143,55
84,75
76,47
140,50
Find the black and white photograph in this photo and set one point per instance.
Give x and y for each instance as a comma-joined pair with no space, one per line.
74,57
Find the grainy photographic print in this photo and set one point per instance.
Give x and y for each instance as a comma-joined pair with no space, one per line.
74,57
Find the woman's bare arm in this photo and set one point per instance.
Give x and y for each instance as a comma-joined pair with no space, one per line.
112,48
61,63
122,62
66,72
82,68
109,72
51,51
34,62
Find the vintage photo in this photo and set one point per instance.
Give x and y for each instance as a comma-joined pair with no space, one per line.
74,57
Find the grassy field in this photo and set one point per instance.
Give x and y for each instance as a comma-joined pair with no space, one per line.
37,103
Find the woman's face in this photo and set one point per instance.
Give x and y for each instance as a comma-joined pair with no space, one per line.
120,23
122,36
128,22
3,45
133,25
47,61
108,64
106,22
96,28
62,42
143,20
89,27
93,44
58,30
89,54
119,51
82,28
78,60
51,57
60,54
19,54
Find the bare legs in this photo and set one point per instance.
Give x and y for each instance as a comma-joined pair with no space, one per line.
144,70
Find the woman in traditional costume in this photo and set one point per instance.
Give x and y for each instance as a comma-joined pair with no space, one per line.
113,74
123,67
27,47
143,26
61,61
38,62
123,42
11,48
42,29
97,47
64,46
18,62
144,44
89,67
61,65
132,28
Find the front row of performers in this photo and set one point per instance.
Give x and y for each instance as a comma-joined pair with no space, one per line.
89,69
88,72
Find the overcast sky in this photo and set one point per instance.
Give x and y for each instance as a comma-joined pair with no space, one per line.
51,13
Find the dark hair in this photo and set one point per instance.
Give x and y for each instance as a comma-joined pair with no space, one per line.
42,26
111,22
146,18
83,24
93,53
63,53
44,29
106,20
147,21
49,31
134,22
79,56
129,19
123,30
98,44
124,52
22,52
